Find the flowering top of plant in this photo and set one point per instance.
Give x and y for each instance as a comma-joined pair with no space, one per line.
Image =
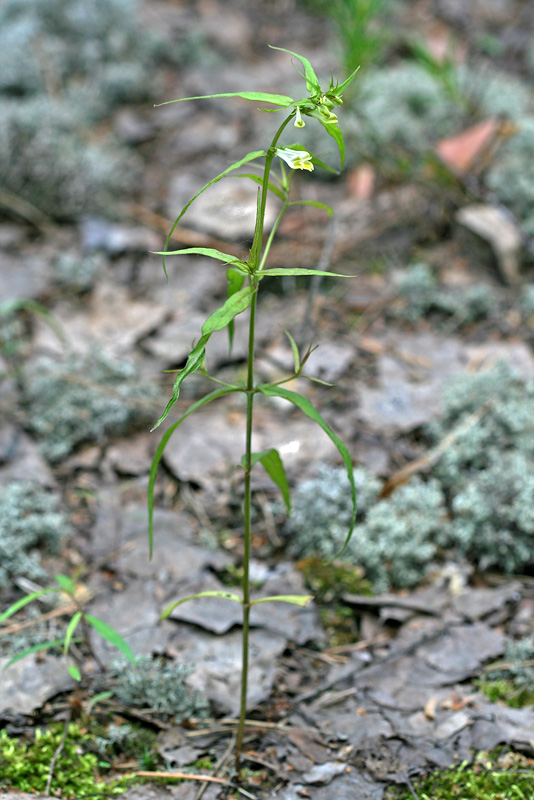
319,104
296,159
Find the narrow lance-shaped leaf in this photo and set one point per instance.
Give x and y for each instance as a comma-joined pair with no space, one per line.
167,611
36,648
110,635
307,408
312,84
220,318
274,467
282,272
161,449
335,132
294,599
245,160
236,280
341,88
24,602
226,258
74,672
258,97
194,361
71,627
295,351
66,583
236,304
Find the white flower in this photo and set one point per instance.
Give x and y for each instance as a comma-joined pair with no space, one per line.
299,122
296,159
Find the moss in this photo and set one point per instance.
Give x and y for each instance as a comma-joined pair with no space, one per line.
499,776
504,691
25,764
84,399
29,520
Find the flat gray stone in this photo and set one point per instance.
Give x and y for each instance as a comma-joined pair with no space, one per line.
29,683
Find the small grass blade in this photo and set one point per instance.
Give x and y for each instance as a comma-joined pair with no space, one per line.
36,648
282,272
110,635
71,627
24,602
315,203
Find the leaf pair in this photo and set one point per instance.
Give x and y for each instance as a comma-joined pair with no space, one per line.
294,599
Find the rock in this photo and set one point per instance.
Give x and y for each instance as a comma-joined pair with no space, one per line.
113,239
324,773
226,210
500,231
30,682
21,459
217,662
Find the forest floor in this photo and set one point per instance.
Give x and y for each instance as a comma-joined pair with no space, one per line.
373,685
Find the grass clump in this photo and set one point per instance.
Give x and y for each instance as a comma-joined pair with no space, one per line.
83,400
158,685
25,765
29,519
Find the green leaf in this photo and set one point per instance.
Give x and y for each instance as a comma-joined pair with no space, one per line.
258,97
96,699
194,362
245,160
24,602
307,408
161,449
206,251
110,635
295,350
167,611
274,467
36,648
315,203
71,627
259,180
235,305
312,84
295,599
74,672
341,88
335,132
282,272
236,280
66,583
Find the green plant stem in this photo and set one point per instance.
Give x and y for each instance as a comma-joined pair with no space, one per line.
250,391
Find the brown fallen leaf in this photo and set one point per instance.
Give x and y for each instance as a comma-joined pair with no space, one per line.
460,152
430,708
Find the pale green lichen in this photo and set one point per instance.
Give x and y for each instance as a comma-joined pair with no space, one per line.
157,685
394,541
422,296
84,399
30,521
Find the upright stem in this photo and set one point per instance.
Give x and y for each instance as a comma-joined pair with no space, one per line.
250,390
